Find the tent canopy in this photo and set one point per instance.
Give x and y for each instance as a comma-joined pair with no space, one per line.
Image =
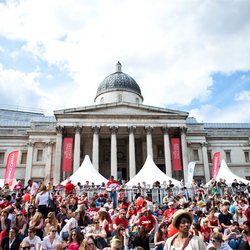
225,173
86,172
11,187
150,173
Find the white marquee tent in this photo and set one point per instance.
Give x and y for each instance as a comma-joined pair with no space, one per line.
86,172
13,183
225,173
150,173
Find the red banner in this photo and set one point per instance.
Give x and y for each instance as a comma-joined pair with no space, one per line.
216,164
67,154
176,155
10,167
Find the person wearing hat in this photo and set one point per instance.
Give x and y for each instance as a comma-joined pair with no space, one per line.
182,221
217,242
148,221
168,214
69,187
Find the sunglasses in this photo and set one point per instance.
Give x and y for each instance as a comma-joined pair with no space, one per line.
89,244
53,231
213,240
25,248
96,222
19,214
73,234
31,208
29,232
122,229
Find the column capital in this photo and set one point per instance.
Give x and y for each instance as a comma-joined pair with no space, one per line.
131,129
165,130
49,143
149,130
183,129
96,129
204,144
113,129
31,143
78,129
59,129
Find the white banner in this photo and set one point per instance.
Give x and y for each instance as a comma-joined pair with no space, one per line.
191,166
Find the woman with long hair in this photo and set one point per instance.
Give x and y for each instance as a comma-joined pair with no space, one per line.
21,223
246,230
141,239
30,213
88,244
50,241
132,215
98,234
205,230
84,220
49,222
5,223
41,201
213,221
75,240
119,234
25,245
105,221
125,204
71,224
196,229
61,245
37,223
161,236
239,216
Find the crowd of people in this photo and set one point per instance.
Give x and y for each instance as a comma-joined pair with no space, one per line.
65,217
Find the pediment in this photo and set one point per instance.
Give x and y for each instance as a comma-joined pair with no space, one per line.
121,109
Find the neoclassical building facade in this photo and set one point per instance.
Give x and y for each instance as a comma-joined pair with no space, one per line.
118,133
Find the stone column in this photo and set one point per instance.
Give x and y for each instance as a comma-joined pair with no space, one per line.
184,152
58,160
77,146
48,161
113,131
149,130
167,151
29,162
132,166
205,161
95,152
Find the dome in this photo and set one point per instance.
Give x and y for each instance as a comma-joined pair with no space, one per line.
118,81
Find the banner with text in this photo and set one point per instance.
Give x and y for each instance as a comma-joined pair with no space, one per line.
216,164
67,154
191,166
176,155
10,167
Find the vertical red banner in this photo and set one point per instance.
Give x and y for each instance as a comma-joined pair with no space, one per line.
10,167
67,154
216,164
176,155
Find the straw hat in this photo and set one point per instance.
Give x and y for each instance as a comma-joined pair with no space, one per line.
180,213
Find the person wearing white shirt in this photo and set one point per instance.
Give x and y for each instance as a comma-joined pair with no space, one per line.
50,241
71,224
35,241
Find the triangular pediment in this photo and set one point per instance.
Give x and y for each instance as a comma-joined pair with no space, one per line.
121,108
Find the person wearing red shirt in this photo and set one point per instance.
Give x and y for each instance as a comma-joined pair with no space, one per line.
112,187
92,210
69,187
6,202
148,221
168,214
120,219
18,186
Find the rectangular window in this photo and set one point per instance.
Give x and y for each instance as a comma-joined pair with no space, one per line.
196,155
209,157
2,158
39,155
24,158
228,157
247,156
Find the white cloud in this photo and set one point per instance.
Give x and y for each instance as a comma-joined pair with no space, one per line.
170,48
243,95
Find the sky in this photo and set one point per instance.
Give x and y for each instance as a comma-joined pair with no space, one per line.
191,56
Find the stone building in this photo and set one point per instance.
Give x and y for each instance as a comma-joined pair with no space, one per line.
118,133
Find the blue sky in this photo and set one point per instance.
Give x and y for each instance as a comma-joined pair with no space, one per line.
192,56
